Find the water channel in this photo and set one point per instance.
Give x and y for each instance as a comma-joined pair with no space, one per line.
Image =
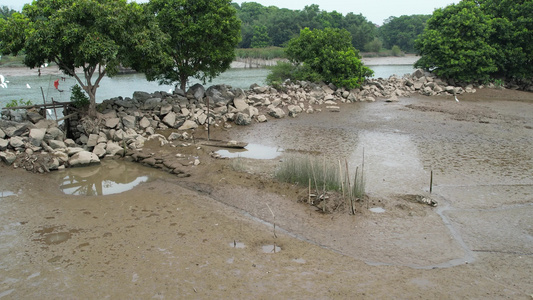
29,87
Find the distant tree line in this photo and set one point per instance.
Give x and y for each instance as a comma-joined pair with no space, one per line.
263,26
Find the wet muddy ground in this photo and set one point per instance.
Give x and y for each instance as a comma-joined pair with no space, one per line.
208,236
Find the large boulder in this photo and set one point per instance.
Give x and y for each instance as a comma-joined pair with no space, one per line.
220,95
170,119
276,112
16,142
37,136
243,119
11,129
83,158
188,124
3,144
8,157
240,102
197,91
129,122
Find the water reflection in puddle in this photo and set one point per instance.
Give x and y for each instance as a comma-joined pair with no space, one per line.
7,194
255,151
271,249
237,245
377,210
110,177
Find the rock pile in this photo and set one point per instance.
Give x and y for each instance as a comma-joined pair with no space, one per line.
125,124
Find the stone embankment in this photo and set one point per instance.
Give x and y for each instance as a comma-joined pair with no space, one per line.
124,125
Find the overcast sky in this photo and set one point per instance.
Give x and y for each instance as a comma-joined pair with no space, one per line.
375,11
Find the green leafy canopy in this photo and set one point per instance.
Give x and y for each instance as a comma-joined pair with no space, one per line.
327,55
202,38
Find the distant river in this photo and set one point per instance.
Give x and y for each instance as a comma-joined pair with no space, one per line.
125,85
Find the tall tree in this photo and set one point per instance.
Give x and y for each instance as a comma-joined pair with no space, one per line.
455,43
6,12
260,38
330,55
403,31
96,36
512,37
203,35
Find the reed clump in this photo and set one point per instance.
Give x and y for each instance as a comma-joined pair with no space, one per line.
324,178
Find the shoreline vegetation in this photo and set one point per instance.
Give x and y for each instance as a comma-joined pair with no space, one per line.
13,69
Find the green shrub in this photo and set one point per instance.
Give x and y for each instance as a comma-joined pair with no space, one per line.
396,51
20,102
78,98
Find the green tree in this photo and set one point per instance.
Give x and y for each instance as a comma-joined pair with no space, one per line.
361,30
203,35
455,43
329,55
6,12
96,36
373,46
260,38
512,37
402,31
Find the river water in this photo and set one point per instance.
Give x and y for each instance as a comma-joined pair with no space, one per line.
35,88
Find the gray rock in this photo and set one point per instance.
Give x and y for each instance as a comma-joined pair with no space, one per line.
70,143
55,133
2,134
220,95
170,119
3,144
113,148
8,157
197,91
100,150
16,142
11,129
251,111
36,136
276,112
144,123
165,109
83,158
112,122
52,163
55,144
129,122
141,96
188,124
240,103
152,103
34,116
243,119
261,118
174,136
73,150
93,140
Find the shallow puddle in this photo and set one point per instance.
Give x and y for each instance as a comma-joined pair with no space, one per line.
271,249
110,177
377,210
7,194
255,151
237,245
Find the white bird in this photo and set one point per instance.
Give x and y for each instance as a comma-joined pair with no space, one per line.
28,85
45,65
3,81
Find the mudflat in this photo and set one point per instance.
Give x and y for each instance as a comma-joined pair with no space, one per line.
232,231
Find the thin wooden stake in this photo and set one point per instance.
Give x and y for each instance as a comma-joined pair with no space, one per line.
431,182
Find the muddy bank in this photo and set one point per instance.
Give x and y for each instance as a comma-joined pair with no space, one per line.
177,237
